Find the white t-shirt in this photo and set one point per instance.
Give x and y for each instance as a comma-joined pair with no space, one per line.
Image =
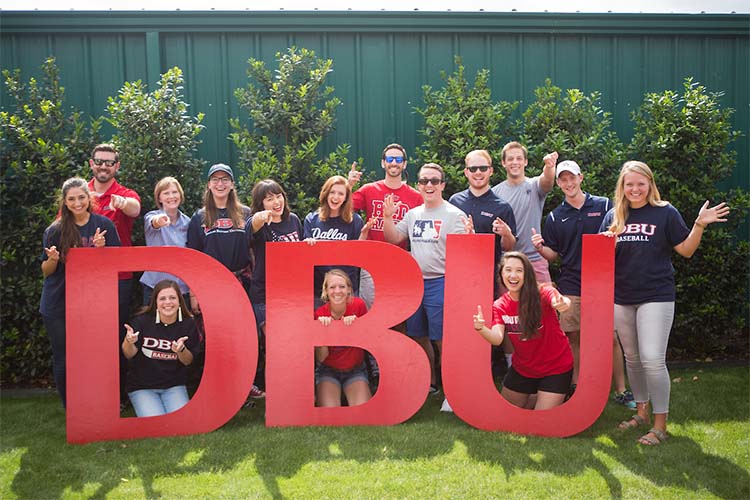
527,200
427,229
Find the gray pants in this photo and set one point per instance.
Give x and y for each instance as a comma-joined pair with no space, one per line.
643,330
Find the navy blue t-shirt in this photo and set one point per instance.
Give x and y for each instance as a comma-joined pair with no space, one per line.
643,254
563,232
333,229
53,290
286,230
483,210
224,242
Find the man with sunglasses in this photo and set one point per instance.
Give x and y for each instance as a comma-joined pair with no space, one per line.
490,214
121,205
426,228
371,199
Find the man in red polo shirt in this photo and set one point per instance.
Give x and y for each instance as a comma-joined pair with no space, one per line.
121,205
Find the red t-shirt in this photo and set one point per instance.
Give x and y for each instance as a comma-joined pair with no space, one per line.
370,199
123,223
344,358
548,353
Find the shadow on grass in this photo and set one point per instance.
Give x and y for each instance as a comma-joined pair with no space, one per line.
50,468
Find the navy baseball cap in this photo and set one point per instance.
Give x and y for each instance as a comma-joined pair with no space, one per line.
220,167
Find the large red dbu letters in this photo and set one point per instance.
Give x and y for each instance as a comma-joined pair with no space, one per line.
292,333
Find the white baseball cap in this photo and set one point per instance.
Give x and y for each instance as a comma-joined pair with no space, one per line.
568,166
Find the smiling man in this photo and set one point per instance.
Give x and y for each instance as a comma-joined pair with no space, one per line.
120,205
490,214
527,196
580,213
426,228
370,198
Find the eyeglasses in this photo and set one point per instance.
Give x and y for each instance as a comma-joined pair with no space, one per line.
432,180
391,159
109,163
481,168
220,180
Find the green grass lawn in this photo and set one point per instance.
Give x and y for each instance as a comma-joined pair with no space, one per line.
433,455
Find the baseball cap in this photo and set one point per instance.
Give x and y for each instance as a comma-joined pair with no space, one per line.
568,166
220,167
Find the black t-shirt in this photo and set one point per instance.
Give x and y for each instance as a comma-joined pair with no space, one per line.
53,290
286,230
155,365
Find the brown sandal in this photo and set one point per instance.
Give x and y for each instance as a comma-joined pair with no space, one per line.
628,424
653,437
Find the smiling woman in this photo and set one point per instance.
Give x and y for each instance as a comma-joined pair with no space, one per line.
162,342
75,226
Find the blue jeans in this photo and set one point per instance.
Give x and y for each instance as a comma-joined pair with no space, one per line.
428,318
153,402
55,326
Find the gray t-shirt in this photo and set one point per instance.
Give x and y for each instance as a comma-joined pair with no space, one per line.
427,229
527,200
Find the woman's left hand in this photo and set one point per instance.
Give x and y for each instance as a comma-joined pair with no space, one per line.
348,320
179,344
98,239
707,215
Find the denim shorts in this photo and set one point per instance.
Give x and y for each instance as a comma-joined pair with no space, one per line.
342,378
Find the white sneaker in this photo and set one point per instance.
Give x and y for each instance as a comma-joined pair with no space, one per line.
446,407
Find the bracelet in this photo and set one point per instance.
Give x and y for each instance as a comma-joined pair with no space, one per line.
183,348
702,226
478,329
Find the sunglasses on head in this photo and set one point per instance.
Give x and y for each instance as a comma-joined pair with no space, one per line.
434,181
481,168
109,163
391,159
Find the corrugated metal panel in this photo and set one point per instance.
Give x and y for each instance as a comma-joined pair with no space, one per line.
381,60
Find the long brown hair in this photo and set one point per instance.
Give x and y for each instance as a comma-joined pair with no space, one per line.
70,236
346,208
622,205
151,307
529,302
235,209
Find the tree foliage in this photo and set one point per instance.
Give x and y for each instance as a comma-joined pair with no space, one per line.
685,138
459,118
291,111
42,143
156,137
575,125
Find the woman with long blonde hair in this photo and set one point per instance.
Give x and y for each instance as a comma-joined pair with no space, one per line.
648,229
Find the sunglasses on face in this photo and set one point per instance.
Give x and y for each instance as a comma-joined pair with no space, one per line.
392,159
220,180
481,168
433,180
109,163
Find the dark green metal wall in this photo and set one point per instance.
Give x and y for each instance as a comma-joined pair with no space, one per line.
382,59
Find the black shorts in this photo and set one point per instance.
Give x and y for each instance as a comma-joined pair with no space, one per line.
558,384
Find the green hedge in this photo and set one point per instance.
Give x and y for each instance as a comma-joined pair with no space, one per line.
685,137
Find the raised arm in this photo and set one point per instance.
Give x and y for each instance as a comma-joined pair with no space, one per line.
705,217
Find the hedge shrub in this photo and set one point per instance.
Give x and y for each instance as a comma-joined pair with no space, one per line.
42,143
